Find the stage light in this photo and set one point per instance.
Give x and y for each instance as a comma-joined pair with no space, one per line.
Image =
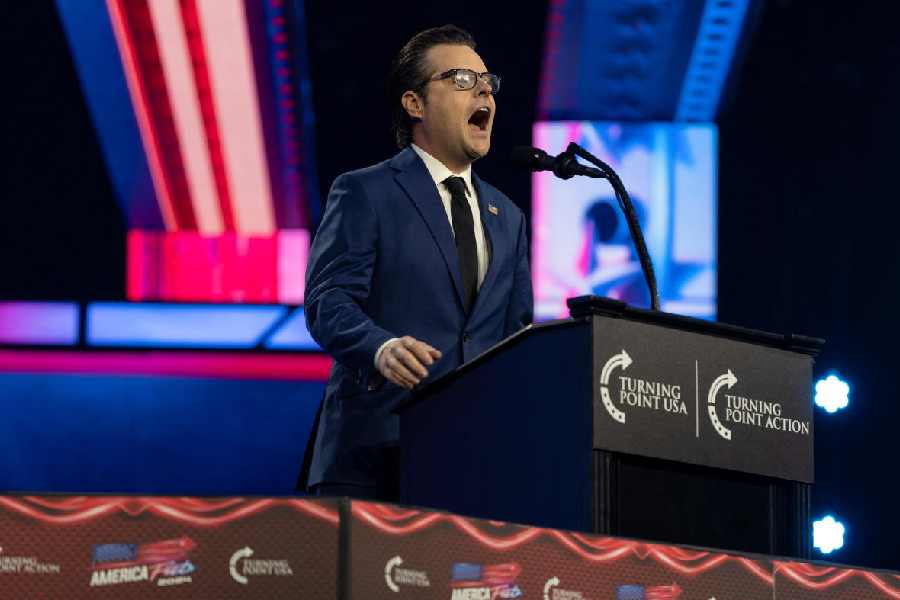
292,334
160,325
41,323
832,394
828,534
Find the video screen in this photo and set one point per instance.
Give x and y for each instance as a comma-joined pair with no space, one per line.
580,239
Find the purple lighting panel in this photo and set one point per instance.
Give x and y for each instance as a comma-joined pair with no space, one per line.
39,323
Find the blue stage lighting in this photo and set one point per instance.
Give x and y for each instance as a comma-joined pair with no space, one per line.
828,534
832,394
293,334
161,325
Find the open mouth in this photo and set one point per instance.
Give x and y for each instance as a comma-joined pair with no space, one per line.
480,118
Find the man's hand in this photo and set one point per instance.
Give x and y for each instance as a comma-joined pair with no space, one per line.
404,361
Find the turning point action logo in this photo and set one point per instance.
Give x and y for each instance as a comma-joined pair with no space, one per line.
762,414
722,380
637,393
28,565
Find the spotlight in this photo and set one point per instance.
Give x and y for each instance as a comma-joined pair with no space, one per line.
828,535
832,394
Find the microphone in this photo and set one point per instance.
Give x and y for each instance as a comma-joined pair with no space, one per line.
563,166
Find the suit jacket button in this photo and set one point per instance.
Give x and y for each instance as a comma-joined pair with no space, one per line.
466,337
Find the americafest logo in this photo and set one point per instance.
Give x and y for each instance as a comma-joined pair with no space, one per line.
470,581
164,563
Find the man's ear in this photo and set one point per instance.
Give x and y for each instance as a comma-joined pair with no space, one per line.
413,104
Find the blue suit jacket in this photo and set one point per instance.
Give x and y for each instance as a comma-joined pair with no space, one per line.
384,264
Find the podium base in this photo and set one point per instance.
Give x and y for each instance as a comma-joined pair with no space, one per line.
675,502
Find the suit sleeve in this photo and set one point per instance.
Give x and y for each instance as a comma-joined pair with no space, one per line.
520,311
339,278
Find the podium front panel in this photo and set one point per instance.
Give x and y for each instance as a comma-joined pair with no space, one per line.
700,399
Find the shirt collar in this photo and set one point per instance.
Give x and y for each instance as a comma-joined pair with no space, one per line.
439,171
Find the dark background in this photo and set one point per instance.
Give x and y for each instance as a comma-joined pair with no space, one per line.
808,240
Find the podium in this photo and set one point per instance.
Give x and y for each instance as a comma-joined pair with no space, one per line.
624,422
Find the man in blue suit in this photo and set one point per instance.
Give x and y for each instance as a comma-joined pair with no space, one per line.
417,266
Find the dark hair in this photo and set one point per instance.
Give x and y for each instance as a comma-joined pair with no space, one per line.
409,72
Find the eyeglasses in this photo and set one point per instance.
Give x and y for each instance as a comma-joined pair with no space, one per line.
465,79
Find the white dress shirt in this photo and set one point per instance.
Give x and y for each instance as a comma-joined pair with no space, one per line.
439,172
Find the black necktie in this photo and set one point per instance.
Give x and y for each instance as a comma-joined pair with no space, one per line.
464,230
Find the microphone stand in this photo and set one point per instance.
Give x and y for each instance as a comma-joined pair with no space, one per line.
634,226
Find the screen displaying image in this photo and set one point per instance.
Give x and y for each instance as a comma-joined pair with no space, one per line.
580,239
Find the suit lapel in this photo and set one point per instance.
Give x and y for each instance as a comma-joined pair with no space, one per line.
413,177
491,224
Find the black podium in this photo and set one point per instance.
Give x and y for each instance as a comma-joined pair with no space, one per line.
624,422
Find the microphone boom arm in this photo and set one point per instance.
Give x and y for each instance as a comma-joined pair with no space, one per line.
634,226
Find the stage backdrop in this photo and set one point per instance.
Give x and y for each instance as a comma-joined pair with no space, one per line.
75,432
580,242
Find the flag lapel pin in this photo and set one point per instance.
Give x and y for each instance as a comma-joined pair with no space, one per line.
493,209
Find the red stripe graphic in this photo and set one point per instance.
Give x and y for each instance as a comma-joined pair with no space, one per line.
141,39
207,108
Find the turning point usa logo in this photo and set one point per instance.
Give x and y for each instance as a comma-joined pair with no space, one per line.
241,566
469,581
633,392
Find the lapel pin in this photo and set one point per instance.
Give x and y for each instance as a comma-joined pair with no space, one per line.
493,209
